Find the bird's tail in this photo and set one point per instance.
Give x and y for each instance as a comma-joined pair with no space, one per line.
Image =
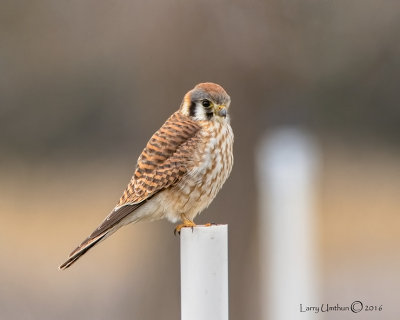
120,216
84,247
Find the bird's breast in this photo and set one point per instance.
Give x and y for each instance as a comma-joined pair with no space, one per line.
211,164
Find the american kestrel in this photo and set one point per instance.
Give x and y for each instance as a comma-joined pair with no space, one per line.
180,170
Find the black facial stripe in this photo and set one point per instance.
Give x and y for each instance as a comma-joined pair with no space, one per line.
192,109
209,115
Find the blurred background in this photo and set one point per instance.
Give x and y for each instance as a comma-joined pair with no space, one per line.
315,111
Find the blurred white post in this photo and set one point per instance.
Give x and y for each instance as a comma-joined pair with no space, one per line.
204,273
287,166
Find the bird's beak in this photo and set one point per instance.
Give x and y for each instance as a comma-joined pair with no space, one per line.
221,110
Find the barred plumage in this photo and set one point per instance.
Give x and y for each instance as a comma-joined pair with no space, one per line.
181,169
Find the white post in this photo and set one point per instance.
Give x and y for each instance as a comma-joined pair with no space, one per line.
287,167
204,273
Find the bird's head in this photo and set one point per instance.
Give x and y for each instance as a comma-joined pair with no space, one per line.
206,101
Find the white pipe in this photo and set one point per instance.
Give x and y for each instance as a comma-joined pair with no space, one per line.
287,169
204,273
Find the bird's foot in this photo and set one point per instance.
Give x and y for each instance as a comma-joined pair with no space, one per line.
210,224
186,224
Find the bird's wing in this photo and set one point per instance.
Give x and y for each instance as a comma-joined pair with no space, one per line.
166,158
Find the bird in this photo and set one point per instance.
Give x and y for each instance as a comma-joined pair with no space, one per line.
179,172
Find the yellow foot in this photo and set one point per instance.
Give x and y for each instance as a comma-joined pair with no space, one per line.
186,224
210,224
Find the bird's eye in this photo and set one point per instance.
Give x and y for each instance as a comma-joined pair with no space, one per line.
206,103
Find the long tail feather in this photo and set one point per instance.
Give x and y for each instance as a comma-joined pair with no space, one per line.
84,247
116,219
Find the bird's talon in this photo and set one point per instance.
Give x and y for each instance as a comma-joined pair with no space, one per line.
177,230
210,224
185,224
